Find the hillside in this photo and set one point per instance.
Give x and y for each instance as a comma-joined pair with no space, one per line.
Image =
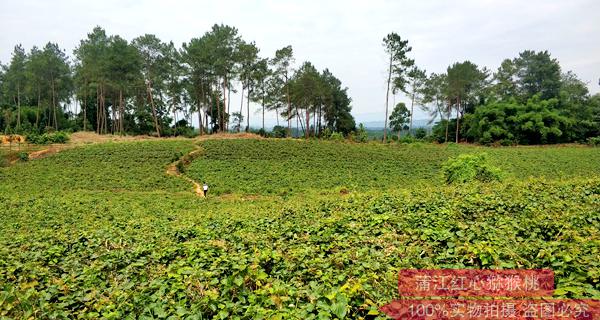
102,231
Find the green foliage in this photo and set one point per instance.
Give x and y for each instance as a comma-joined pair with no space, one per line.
420,133
468,168
399,118
23,156
536,122
310,257
287,166
279,132
594,141
102,232
48,138
113,166
336,136
362,135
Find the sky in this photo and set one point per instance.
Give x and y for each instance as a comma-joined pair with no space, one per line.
343,36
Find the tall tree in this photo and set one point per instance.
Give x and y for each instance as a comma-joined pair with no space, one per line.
282,62
435,99
91,55
336,105
223,43
305,89
260,77
416,79
537,73
174,82
58,77
124,71
399,118
247,57
462,78
15,79
200,77
154,70
397,49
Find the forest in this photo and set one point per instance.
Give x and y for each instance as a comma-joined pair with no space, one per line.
147,86
151,87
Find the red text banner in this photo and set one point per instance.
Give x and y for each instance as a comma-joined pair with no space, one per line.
470,282
526,309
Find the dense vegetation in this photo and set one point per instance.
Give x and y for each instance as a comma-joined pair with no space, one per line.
288,166
113,236
147,86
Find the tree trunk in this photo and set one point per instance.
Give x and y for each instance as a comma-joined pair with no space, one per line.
54,105
37,114
248,110
85,108
113,125
277,115
289,133
447,120
412,105
307,132
225,106
121,113
200,129
263,111
218,101
18,106
153,109
241,106
228,104
387,97
457,116
174,116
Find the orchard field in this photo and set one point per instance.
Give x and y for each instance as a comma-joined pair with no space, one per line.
290,230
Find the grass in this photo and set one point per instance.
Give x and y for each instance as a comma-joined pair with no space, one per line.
123,166
101,231
291,166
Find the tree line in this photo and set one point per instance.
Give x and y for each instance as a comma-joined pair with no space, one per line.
148,86
528,100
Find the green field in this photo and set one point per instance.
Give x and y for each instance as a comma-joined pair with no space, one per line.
291,166
102,231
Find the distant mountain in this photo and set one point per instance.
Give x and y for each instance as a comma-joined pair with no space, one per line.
420,123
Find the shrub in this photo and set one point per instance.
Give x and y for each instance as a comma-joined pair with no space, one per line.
336,136
420,133
407,139
180,166
594,141
279,132
23,156
46,138
470,167
361,134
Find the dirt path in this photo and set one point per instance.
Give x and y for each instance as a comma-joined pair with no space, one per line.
173,171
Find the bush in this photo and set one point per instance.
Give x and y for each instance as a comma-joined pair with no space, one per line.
407,139
279,132
470,167
420,133
180,167
23,156
46,138
594,141
336,136
361,134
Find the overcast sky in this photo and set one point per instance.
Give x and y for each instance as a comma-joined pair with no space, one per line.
344,36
